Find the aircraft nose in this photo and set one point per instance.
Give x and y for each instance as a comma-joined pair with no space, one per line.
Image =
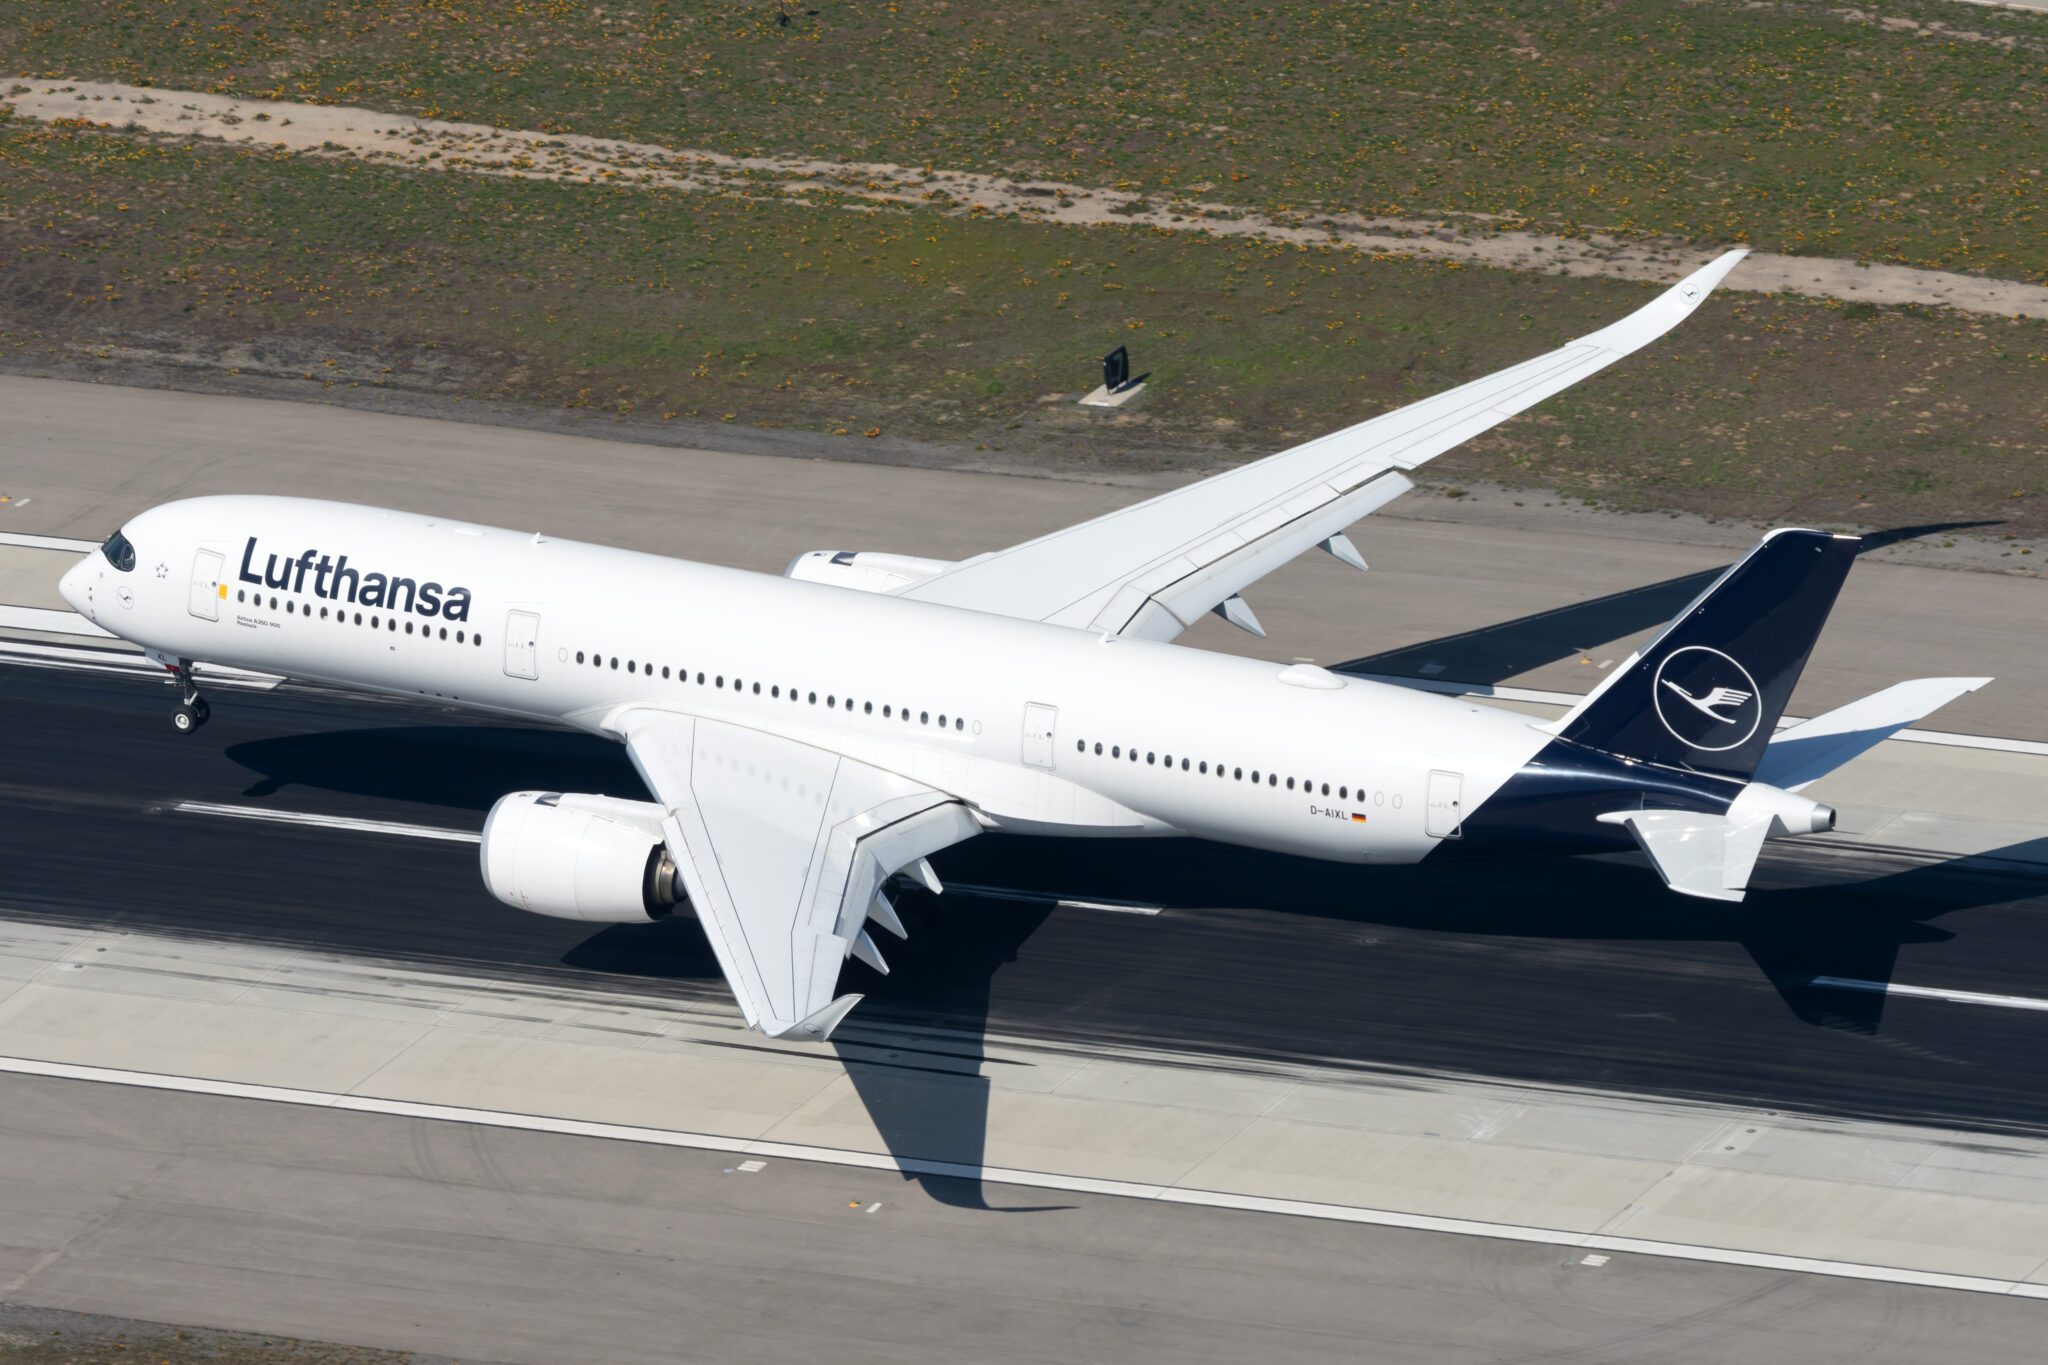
71,587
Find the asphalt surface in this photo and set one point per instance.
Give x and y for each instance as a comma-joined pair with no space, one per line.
491,1245
1550,601
1579,972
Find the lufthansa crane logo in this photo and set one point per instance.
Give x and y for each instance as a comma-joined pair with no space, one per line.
1706,699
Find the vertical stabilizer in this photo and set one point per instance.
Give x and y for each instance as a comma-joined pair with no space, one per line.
1706,694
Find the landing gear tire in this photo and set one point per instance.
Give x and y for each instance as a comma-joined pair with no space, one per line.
192,711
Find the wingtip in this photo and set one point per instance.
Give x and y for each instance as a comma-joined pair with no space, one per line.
1713,272
818,1028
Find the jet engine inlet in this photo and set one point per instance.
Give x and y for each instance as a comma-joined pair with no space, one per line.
570,856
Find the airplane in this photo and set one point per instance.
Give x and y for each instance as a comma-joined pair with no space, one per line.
810,739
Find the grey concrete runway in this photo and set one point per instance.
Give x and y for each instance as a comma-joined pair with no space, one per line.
88,456
488,1245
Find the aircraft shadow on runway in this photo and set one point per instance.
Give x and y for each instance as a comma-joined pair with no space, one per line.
921,1069
461,767
1493,654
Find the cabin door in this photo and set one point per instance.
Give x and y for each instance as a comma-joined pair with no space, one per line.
1038,727
1446,813
522,645
206,594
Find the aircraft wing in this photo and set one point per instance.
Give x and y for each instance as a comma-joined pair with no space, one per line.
784,850
1152,569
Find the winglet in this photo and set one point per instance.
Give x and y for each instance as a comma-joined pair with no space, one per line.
819,1026
1668,309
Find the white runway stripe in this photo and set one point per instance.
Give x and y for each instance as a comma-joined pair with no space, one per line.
341,822
1570,699
51,621
86,660
1003,893
1001,1175
29,542
2005,1002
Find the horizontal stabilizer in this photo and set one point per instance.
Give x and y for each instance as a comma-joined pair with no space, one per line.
1710,856
1812,749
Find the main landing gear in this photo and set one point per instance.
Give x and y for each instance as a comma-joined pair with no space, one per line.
193,711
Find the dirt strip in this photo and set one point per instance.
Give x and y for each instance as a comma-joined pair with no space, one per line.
428,144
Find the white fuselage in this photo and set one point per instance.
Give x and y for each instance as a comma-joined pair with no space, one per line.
1037,728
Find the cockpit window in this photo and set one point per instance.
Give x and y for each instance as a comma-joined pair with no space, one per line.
119,552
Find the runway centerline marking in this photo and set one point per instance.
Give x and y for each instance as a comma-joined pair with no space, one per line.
1030,1179
350,823
2005,1002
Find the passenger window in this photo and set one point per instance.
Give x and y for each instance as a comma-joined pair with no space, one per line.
1326,789
359,618
867,708
1183,765
579,656
1273,780
721,680
757,689
959,724
615,663
924,718
831,701
1205,768
1240,775
664,672
1290,784
444,632
814,698
273,604
1255,774
1149,758
1080,746
1116,751
1098,749
887,711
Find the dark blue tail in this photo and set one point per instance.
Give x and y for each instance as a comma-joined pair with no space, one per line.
1707,692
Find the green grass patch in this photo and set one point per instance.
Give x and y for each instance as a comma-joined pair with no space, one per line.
652,307
1801,126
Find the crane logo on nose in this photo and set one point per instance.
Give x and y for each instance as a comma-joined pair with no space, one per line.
1706,699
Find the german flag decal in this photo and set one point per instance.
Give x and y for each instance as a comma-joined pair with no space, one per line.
1357,817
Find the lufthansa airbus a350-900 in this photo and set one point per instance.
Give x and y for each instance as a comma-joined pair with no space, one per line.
809,737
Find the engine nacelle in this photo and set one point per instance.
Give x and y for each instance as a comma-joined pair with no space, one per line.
864,570
571,856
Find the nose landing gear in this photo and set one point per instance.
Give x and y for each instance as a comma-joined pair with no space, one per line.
193,711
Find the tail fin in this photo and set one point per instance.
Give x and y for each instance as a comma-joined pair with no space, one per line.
1707,692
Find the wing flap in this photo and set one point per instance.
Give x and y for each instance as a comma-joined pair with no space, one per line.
783,848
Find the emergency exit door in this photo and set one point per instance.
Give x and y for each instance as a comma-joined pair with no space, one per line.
522,645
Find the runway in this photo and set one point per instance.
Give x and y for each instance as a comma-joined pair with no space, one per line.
1846,1066
1571,972
482,1244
